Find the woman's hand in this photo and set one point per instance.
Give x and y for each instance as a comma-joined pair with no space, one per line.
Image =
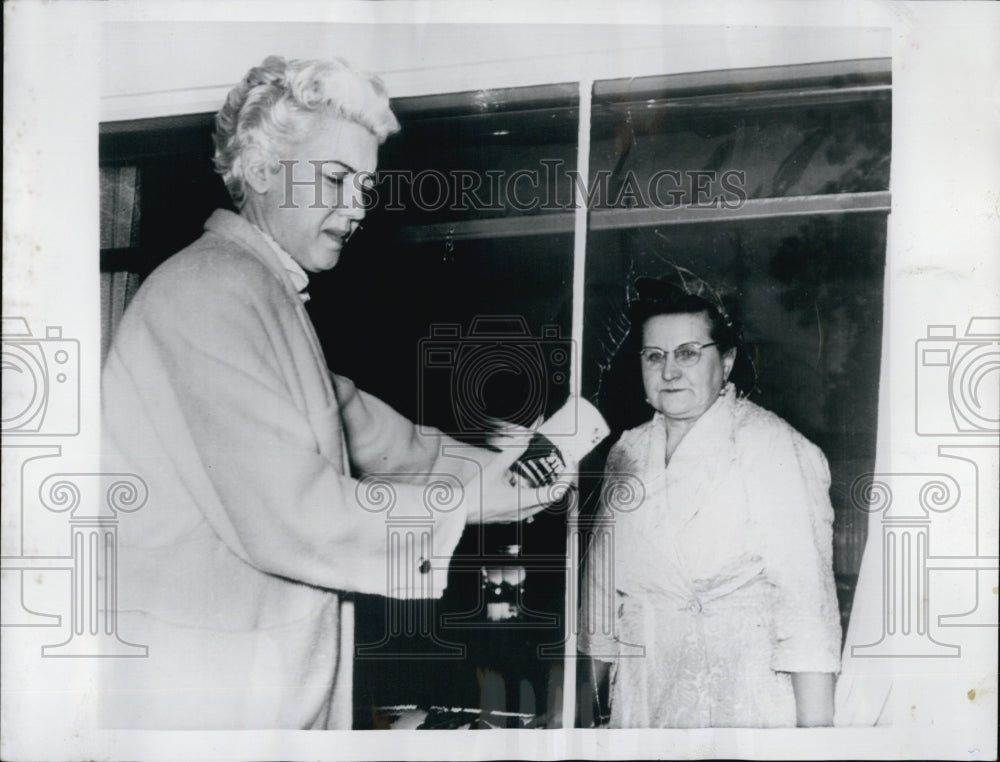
510,435
813,699
502,496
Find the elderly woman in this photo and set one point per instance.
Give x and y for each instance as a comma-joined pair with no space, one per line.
714,604
238,572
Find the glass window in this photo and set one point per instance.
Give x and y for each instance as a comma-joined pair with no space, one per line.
780,195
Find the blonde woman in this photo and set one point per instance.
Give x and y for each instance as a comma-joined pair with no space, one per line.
237,574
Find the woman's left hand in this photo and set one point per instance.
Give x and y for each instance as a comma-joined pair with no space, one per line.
512,435
813,699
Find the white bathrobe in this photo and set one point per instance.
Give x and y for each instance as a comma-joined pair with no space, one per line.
718,581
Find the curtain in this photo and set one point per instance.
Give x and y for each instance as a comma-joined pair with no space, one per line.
120,197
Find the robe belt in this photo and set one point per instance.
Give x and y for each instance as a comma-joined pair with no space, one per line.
743,592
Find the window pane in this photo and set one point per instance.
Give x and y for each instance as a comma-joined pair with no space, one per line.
482,155
804,272
656,142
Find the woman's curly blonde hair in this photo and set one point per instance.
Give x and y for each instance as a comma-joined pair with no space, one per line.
276,104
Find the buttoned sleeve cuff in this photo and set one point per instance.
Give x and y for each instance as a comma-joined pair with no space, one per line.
422,525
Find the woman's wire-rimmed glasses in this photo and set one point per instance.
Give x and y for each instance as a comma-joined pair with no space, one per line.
685,355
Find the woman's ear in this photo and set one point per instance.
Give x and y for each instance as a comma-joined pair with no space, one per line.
255,172
728,359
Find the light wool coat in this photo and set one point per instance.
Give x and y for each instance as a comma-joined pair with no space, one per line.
234,574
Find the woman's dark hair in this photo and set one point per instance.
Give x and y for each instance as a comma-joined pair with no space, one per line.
658,297
622,398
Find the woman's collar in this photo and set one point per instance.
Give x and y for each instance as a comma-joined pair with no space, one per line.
298,276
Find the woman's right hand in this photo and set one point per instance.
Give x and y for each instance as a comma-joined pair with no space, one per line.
497,496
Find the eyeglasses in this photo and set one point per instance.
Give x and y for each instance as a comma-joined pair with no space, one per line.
685,355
